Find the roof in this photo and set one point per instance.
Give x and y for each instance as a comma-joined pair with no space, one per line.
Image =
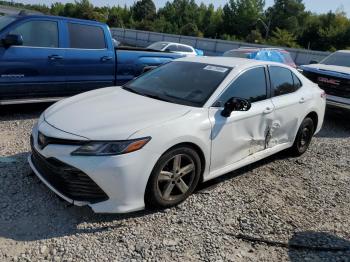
167,42
57,18
225,61
344,51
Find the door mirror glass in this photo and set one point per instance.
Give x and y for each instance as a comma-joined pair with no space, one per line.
313,62
235,104
11,40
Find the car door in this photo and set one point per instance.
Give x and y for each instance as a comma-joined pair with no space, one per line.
290,102
90,61
35,68
243,133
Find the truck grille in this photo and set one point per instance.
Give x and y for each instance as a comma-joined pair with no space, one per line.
334,86
68,180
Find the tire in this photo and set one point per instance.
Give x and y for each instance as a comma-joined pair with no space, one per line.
303,137
167,185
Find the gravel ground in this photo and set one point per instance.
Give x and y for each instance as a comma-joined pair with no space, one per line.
280,209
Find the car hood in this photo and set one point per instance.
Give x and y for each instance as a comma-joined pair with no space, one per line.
110,114
327,68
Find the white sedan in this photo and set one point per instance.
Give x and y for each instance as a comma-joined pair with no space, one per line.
175,48
150,142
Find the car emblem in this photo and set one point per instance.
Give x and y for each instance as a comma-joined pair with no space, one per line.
329,81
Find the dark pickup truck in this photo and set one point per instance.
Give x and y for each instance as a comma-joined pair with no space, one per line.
45,58
332,75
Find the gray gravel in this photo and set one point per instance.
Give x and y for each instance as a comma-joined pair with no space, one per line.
280,209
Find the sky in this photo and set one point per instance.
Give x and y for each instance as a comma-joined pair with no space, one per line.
318,6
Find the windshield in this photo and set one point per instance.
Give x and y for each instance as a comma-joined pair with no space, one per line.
338,59
6,20
157,46
185,83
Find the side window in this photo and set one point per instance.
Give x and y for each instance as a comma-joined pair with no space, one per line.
185,49
172,48
297,82
282,81
86,36
251,85
38,33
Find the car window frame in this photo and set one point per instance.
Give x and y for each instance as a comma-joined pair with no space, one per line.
220,104
272,89
20,22
85,24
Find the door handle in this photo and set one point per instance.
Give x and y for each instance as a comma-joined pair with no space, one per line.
106,58
55,57
268,110
302,100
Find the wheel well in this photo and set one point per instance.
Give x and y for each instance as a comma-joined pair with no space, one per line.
198,151
314,117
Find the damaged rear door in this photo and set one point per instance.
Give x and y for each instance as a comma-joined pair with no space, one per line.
243,133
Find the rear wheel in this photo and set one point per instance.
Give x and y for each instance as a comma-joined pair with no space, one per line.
174,178
304,137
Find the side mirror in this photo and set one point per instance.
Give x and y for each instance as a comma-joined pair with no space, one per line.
11,40
313,62
235,104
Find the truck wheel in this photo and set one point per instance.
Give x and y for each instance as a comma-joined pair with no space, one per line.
174,178
303,138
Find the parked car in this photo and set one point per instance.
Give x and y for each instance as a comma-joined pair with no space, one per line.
44,58
332,74
153,140
264,54
176,48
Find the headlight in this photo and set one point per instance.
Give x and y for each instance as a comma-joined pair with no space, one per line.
111,148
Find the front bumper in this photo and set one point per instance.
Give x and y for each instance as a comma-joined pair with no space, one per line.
122,178
338,102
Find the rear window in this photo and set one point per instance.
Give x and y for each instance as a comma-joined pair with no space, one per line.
86,36
338,59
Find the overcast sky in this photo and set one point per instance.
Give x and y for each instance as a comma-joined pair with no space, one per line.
318,6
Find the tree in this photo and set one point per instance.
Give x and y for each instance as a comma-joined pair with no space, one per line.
286,14
144,10
284,38
190,29
241,16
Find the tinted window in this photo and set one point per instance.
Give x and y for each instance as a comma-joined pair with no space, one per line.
184,49
172,48
250,85
297,82
184,83
235,53
38,33
6,20
282,81
338,58
86,36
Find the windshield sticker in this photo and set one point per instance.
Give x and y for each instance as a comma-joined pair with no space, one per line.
216,68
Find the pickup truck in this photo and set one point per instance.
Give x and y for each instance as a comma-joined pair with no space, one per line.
45,58
333,75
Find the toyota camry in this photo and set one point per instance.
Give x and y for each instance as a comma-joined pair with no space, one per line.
150,142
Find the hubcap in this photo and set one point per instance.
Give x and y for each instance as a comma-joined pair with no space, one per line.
176,177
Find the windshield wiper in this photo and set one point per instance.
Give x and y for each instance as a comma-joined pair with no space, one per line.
144,94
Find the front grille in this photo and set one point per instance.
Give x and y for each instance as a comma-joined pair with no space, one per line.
68,180
334,86
43,141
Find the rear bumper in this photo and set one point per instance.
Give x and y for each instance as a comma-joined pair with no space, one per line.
339,102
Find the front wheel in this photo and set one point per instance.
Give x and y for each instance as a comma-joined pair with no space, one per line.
174,178
304,137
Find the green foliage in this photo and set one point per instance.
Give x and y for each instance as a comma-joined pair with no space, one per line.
286,23
282,37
